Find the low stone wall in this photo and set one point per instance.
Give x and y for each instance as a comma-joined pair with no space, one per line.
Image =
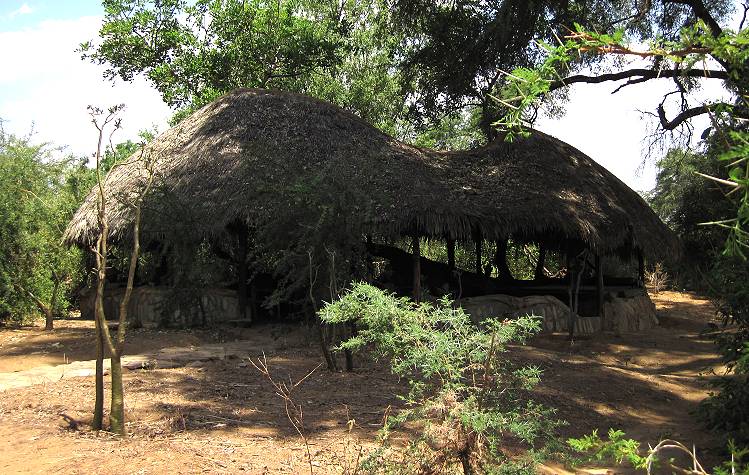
629,313
554,312
149,307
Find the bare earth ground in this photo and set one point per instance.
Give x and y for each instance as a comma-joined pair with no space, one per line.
222,417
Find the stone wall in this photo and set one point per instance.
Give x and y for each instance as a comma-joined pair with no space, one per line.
628,312
149,307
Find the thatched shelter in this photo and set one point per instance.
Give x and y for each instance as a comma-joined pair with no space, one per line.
263,158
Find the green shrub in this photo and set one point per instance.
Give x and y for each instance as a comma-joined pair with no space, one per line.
467,403
727,408
618,449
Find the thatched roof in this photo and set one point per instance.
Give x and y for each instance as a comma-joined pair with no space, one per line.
252,154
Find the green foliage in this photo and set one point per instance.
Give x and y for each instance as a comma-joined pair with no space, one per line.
454,54
194,52
696,43
38,194
616,448
465,395
727,408
739,463
456,131
685,200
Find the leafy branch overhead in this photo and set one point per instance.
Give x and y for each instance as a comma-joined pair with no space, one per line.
194,52
702,51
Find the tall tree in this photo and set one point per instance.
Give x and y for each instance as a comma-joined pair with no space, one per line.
707,50
684,200
108,122
38,195
455,53
193,52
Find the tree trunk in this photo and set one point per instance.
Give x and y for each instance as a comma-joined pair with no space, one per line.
327,355
98,419
49,313
465,463
351,327
99,321
117,408
500,261
48,319
539,273
46,310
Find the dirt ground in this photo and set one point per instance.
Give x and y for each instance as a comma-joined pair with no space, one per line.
223,417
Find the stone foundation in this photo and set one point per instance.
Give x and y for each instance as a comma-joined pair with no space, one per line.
629,312
149,307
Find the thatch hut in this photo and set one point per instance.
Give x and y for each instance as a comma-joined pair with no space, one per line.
300,177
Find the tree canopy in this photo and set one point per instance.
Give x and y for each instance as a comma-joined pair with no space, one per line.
37,198
405,66
193,52
455,54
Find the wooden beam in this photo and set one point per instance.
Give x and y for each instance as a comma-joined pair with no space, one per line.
416,268
600,289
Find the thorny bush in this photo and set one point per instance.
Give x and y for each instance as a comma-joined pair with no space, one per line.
468,404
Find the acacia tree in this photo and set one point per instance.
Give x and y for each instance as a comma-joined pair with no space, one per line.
38,194
114,344
704,50
193,52
455,54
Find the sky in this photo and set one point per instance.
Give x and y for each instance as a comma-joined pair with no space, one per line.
45,89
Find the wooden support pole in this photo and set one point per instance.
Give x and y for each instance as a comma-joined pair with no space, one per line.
640,269
254,304
570,296
600,290
500,260
541,263
242,271
370,263
451,253
479,242
417,268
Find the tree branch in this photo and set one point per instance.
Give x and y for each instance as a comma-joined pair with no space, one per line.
686,114
637,75
46,310
701,12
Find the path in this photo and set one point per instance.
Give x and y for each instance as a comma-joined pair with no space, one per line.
172,357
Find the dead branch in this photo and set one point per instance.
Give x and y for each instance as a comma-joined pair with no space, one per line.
294,411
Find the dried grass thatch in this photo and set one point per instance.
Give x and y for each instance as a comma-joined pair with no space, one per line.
252,154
